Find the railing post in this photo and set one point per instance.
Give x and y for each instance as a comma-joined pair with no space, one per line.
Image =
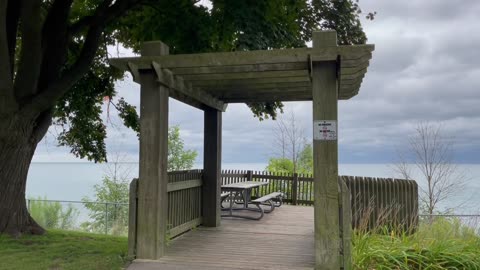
295,189
132,219
106,218
249,175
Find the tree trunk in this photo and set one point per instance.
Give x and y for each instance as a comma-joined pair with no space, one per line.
17,146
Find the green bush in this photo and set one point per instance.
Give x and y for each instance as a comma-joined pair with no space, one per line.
441,244
52,215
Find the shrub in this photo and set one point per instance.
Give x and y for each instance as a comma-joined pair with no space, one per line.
52,215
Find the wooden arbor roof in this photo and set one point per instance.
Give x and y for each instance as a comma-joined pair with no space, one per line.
215,79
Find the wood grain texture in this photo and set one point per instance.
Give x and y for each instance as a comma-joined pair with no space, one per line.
238,75
325,161
212,161
282,240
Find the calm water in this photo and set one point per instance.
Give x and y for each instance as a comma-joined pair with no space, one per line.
73,181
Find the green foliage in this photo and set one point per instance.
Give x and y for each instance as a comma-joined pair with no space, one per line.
187,28
63,250
52,215
280,165
110,214
305,160
443,244
285,165
178,157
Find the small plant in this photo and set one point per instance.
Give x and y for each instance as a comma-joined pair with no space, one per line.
52,215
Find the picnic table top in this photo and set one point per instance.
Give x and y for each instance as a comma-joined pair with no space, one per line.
244,185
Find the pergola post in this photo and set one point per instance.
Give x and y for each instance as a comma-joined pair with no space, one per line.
153,179
212,157
325,156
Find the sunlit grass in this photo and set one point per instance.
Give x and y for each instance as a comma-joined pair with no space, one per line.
63,250
443,244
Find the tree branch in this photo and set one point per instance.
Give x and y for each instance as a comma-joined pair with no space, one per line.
114,11
55,39
13,15
7,100
104,13
28,72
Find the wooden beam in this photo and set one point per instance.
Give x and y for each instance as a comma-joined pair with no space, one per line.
178,84
271,97
184,185
212,158
246,82
239,58
152,184
241,68
260,86
325,158
246,75
253,92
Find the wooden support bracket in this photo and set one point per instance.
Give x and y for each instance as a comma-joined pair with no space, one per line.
176,83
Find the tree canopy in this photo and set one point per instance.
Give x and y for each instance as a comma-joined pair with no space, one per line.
54,66
230,25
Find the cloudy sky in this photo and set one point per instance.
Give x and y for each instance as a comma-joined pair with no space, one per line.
425,67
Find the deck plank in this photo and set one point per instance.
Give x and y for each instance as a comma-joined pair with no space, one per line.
282,239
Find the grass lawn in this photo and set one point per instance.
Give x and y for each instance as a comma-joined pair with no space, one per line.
62,250
443,245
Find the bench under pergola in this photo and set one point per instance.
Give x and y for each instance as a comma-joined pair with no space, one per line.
323,74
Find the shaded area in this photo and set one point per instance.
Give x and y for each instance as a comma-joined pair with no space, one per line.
282,239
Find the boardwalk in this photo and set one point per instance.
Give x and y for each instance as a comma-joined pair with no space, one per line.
281,240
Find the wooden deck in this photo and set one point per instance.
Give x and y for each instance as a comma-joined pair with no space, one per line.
282,239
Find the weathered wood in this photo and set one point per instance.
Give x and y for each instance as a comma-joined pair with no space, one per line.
212,157
276,85
293,96
173,232
184,185
132,218
295,189
233,71
242,244
240,69
345,225
325,160
246,82
246,75
178,84
247,58
153,179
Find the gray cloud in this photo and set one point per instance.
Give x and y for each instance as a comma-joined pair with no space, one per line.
424,68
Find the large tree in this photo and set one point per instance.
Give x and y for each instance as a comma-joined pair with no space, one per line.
54,68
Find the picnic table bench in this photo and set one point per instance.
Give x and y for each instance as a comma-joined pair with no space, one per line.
240,193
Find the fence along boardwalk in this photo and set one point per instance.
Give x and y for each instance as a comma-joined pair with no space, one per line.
374,201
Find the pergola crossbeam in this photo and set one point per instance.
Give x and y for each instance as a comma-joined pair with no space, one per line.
208,76
185,89
208,81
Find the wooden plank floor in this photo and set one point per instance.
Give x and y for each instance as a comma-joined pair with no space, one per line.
282,239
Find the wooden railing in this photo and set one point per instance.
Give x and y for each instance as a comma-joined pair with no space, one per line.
374,201
298,188
378,202
184,201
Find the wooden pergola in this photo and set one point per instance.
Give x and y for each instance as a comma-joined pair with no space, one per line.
323,74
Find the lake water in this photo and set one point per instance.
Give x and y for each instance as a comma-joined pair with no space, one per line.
73,181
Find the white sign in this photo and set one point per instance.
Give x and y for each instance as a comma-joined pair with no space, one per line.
325,130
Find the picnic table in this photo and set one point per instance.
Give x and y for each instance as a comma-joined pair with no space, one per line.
243,190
